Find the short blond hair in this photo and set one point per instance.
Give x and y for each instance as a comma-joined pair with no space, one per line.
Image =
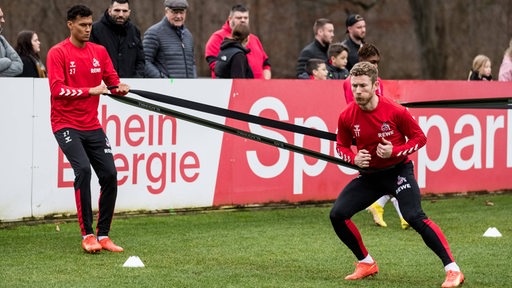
365,69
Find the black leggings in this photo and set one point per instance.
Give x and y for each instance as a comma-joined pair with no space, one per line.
83,149
362,191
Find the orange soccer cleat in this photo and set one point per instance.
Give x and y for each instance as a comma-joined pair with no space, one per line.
90,244
453,279
107,244
363,270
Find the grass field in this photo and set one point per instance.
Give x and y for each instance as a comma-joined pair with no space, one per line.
293,247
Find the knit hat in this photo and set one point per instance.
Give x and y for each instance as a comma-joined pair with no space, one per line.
176,4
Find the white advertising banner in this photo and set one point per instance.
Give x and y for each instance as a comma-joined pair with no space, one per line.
16,147
162,162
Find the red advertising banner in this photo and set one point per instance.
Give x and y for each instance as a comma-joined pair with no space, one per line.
467,149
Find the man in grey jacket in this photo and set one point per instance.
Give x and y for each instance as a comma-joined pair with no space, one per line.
10,62
169,46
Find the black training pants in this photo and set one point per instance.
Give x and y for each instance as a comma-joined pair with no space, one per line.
84,149
362,191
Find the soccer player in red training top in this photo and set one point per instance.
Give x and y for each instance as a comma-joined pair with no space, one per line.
76,69
385,134
370,53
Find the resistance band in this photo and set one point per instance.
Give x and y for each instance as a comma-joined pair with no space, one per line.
234,131
235,115
489,103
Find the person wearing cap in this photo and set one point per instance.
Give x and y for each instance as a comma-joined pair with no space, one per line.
10,62
258,59
323,30
169,45
356,31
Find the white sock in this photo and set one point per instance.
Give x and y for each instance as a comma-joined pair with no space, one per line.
452,266
383,200
83,237
397,208
102,237
368,259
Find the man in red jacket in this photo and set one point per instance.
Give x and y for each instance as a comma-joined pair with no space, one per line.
258,59
76,69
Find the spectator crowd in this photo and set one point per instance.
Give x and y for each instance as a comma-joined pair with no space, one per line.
166,49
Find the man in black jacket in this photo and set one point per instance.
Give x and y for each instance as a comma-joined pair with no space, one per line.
356,31
324,33
121,38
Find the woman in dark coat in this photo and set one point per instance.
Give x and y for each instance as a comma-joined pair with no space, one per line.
28,47
232,58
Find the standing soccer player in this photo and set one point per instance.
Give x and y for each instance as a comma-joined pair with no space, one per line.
385,134
76,69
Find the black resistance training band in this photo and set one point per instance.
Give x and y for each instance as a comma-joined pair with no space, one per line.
232,130
234,114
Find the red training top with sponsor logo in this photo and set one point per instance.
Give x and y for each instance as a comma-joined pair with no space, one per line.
388,120
71,72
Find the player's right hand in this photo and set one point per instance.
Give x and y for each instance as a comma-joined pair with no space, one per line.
122,89
362,158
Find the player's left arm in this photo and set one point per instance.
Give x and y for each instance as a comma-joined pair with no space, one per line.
410,128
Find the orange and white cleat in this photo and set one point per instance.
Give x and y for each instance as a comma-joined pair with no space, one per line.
107,244
363,270
453,279
90,244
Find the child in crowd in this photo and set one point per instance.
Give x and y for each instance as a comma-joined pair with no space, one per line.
316,69
481,69
337,63
505,72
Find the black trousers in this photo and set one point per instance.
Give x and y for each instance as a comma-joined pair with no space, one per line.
362,191
84,149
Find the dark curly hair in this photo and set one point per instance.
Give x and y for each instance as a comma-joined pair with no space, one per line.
78,10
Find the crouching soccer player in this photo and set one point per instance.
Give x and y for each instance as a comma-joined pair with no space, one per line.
385,134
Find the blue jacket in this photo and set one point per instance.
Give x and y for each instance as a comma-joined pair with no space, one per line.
10,62
167,54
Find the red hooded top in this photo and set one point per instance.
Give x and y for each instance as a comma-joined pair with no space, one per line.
258,59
